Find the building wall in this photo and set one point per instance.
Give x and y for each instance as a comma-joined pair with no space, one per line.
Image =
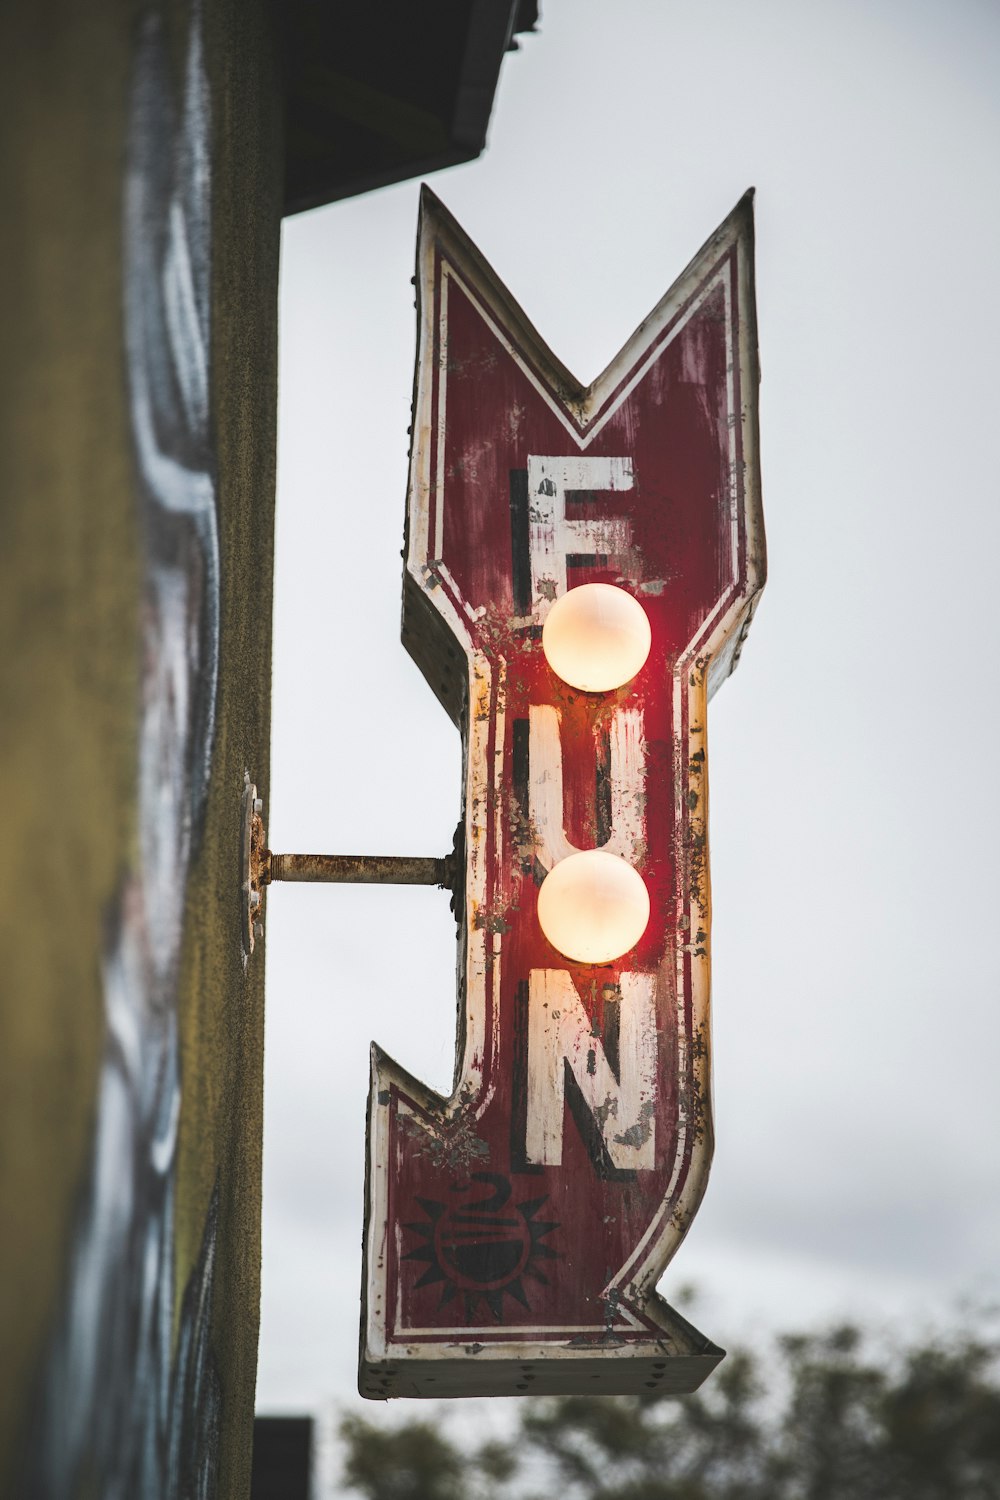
140,182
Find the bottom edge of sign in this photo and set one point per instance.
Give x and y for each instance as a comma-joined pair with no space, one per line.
563,1375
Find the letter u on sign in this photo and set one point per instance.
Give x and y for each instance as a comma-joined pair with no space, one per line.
515,1231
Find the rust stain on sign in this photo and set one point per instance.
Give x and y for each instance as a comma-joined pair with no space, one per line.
515,1231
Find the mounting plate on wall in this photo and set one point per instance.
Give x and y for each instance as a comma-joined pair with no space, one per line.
254,861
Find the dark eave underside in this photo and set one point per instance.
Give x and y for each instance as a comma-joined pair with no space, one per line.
381,90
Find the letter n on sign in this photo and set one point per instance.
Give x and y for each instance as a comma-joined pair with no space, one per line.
515,1232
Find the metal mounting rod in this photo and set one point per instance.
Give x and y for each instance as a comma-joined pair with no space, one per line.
366,869
259,868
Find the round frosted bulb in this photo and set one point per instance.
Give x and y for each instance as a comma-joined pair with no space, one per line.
596,637
593,906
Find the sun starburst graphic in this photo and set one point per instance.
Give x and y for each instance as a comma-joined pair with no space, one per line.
482,1248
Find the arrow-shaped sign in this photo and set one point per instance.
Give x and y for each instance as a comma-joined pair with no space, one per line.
515,1232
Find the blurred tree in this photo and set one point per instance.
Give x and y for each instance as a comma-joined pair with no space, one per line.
832,1416
413,1462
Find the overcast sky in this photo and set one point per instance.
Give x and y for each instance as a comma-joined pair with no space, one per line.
853,757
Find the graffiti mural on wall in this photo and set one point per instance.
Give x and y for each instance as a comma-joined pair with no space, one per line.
129,1403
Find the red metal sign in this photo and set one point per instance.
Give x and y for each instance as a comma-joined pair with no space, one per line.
515,1232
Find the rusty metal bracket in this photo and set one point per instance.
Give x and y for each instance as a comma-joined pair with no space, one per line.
254,859
260,868
364,869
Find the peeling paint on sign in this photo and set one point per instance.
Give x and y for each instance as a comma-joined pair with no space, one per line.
515,1232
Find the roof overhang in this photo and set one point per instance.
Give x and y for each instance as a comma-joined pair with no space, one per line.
381,91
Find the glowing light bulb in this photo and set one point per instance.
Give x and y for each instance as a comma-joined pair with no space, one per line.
593,906
596,637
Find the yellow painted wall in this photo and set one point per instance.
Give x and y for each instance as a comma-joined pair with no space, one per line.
82,706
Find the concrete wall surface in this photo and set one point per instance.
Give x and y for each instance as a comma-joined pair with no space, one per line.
140,200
